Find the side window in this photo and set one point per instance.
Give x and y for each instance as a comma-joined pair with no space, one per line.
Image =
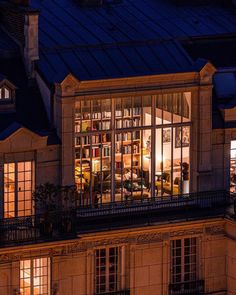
18,188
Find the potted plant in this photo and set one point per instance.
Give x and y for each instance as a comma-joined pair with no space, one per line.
56,205
69,197
46,202
185,176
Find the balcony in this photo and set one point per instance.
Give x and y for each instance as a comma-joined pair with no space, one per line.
187,288
124,292
64,225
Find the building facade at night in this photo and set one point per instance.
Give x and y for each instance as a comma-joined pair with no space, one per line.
117,147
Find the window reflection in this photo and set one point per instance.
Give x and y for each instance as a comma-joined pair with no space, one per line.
137,151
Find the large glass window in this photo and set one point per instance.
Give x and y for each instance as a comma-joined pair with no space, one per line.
35,276
109,269
18,187
132,147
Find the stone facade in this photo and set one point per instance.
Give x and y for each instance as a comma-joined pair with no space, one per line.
147,259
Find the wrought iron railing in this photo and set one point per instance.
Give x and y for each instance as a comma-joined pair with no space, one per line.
66,224
197,200
187,288
122,292
36,228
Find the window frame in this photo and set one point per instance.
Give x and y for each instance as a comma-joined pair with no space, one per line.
33,275
183,260
232,160
182,124
3,97
121,273
17,189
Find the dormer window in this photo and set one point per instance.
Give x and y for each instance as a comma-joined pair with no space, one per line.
5,93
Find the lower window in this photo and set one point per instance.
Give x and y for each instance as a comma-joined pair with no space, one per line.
35,276
108,270
183,263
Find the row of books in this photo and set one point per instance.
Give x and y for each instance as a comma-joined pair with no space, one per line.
128,136
127,112
96,152
127,149
94,139
128,123
106,138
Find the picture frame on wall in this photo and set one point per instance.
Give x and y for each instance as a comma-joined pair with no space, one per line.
185,141
166,135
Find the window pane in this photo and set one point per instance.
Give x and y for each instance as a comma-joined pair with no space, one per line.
18,187
233,166
114,137
107,270
147,110
35,277
183,261
7,93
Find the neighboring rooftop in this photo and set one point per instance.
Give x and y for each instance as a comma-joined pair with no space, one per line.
30,111
124,38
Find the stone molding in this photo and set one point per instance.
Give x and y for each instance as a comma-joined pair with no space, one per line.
83,246
215,230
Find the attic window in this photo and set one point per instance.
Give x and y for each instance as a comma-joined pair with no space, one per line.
4,94
7,96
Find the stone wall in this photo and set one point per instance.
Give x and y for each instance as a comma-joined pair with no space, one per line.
146,256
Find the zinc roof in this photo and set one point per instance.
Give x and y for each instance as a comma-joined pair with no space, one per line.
125,38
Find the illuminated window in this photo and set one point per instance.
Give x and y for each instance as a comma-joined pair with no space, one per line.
233,166
4,93
35,276
183,262
18,187
109,272
132,148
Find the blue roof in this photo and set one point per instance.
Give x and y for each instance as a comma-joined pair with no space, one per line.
130,38
7,45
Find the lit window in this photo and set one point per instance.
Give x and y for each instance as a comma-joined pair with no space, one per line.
109,271
132,148
183,264
18,187
35,276
233,166
4,93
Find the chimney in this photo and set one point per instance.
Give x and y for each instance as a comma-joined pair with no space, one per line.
21,22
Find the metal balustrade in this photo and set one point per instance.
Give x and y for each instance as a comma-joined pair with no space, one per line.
122,292
187,288
66,224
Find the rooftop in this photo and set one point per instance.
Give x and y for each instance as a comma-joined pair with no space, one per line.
124,38
30,111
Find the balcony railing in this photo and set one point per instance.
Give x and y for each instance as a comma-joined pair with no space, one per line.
187,288
123,292
36,228
65,225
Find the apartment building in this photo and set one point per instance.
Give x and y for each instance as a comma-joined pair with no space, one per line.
117,147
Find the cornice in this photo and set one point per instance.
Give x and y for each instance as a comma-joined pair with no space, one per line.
83,245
